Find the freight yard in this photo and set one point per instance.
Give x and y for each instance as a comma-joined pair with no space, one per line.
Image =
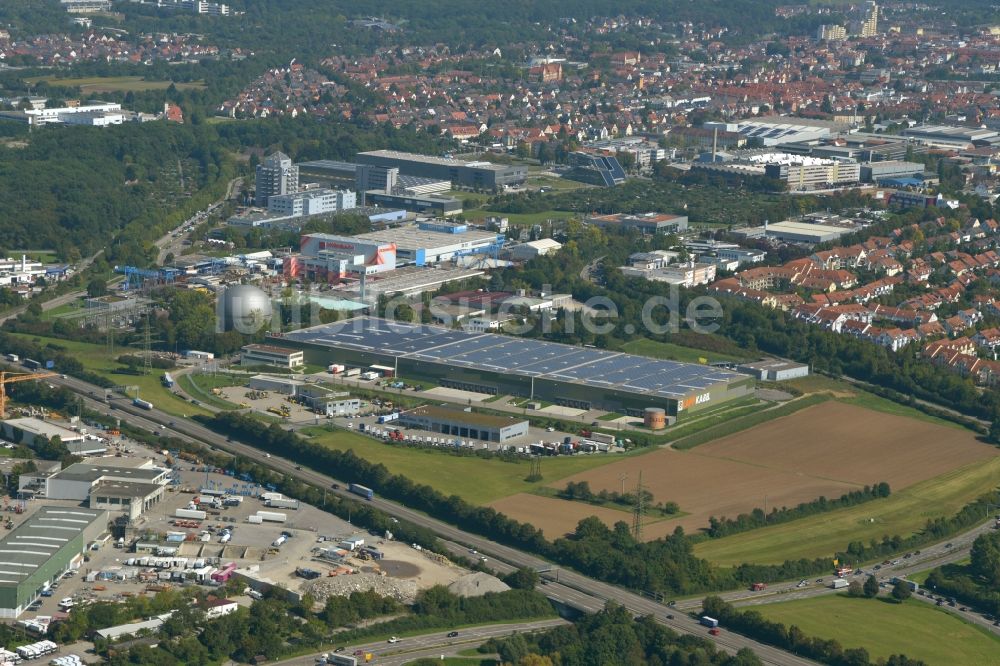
214,531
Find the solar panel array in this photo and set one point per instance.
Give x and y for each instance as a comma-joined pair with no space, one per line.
518,356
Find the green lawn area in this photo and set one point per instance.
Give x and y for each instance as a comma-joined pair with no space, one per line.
560,184
199,386
903,513
476,480
914,628
96,84
44,256
71,308
862,398
96,358
674,352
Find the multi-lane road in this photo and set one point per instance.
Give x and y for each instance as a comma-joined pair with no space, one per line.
432,645
572,589
564,586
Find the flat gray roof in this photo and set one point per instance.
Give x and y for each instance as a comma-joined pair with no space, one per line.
35,541
440,161
93,471
124,489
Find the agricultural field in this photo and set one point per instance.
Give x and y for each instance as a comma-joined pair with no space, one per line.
103,84
823,450
477,480
914,628
905,512
97,359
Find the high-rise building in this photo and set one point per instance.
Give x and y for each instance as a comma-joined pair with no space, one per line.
831,33
276,175
869,25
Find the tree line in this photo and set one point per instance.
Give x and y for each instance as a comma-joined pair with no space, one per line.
720,527
976,583
612,637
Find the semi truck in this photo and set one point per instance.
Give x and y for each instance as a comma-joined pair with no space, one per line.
335,368
283,503
710,622
364,491
31,364
195,514
142,404
386,418
272,516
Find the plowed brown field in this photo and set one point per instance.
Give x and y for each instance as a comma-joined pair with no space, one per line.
826,449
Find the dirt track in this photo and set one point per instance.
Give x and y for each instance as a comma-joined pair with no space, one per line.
826,449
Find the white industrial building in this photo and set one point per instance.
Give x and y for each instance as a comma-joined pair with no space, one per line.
97,114
316,201
110,486
808,173
28,429
532,249
283,385
773,130
271,355
435,242
329,257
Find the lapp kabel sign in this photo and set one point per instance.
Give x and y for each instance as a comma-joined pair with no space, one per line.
689,402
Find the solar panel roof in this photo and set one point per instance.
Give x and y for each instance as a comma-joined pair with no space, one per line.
518,356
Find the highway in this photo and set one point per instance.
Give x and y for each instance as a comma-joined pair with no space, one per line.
431,645
561,585
572,588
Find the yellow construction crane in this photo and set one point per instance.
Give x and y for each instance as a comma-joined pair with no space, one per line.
12,377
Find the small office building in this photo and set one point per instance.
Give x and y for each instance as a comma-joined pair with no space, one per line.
272,356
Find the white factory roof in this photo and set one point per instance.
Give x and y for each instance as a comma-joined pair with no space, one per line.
45,429
787,158
407,238
806,228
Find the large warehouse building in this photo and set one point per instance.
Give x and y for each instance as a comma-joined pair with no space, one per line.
579,377
479,175
41,549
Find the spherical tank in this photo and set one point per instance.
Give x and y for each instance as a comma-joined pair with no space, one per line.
245,308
